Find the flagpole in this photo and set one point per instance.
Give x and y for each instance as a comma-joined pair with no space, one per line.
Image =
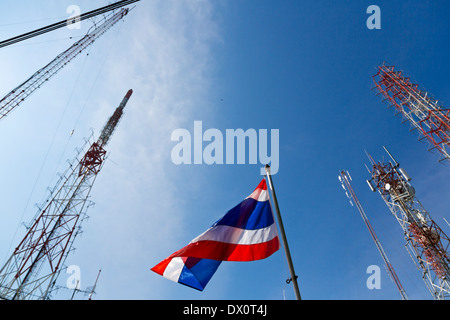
283,235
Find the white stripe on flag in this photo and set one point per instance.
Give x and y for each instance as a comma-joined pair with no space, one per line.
259,195
235,235
173,269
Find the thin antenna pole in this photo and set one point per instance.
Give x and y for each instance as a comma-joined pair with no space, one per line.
95,284
66,22
392,157
447,222
343,178
75,290
283,235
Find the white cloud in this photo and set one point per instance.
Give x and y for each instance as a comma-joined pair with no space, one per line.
164,53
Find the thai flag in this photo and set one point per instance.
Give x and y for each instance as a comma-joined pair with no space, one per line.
246,233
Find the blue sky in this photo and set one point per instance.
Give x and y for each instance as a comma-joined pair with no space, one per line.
304,68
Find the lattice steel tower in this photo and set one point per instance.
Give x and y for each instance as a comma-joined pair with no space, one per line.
426,243
423,112
34,266
16,96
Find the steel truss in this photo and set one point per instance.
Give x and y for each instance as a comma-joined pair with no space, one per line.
426,243
416,106
32,270
21,92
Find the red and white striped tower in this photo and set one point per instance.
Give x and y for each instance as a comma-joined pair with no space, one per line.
426,243
33,267
423,112
16,96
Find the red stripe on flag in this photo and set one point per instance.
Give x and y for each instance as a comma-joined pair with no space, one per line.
262,185
216,250
160,267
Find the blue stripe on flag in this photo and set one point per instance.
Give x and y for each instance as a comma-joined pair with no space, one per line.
196,272
250,214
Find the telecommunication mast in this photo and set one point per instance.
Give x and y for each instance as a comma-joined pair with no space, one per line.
16,96
426,242
424,113
33,267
